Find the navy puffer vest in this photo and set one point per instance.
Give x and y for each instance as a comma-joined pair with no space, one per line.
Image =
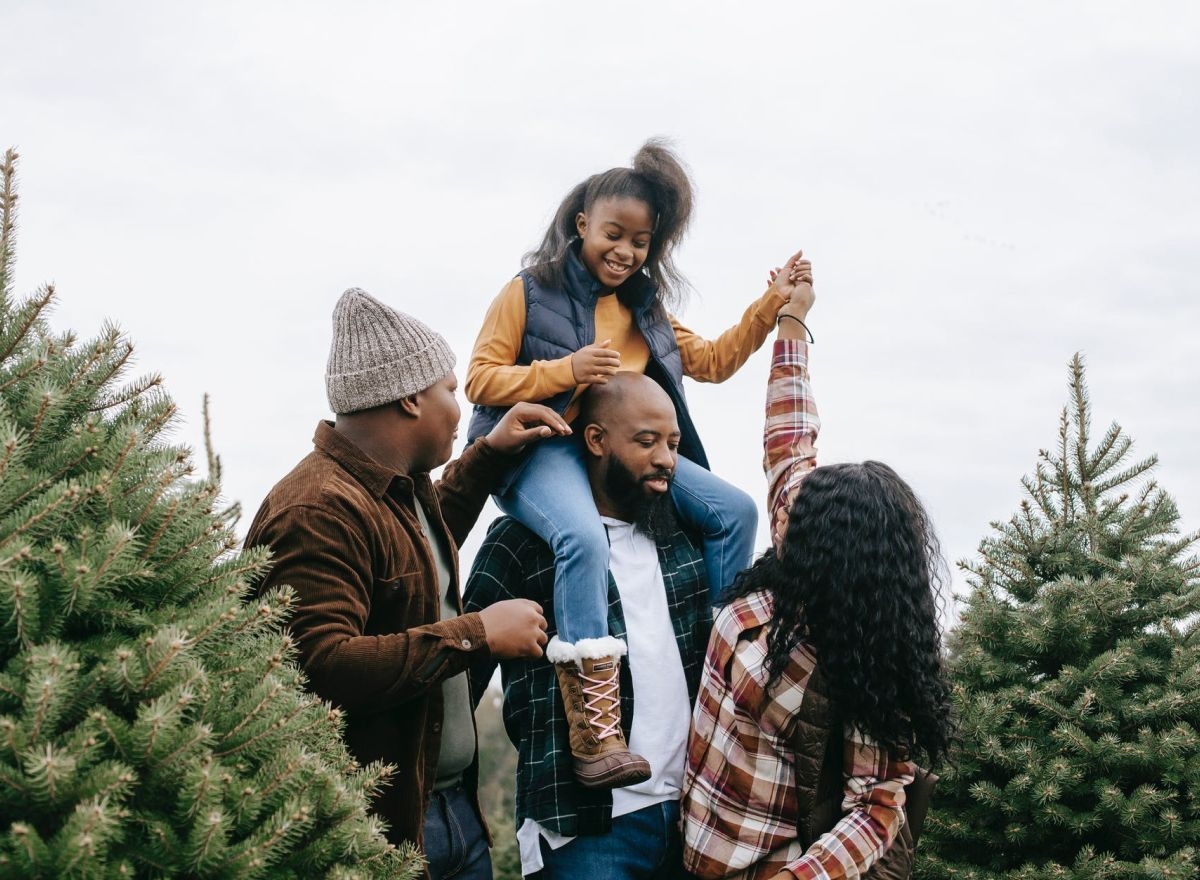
560,322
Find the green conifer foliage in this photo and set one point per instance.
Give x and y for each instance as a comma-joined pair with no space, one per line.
152,721
1076,670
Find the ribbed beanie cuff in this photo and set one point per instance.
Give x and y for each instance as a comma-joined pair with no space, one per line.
379,355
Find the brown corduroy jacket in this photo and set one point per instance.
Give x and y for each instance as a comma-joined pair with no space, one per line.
344,534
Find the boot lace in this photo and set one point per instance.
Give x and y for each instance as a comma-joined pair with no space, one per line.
595,690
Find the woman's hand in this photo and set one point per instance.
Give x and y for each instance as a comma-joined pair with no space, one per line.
779,527
795,279
794,273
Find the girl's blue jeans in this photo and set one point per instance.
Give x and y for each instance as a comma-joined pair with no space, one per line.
552,497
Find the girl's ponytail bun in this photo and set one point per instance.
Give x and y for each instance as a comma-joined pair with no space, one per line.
668,178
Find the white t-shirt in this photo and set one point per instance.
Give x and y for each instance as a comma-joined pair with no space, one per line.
662,710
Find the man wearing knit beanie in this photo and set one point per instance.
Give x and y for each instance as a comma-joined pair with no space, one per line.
378,354
369,543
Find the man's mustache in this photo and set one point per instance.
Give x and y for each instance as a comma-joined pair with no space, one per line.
659,475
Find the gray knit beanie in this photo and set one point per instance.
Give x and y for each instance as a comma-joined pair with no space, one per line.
379,355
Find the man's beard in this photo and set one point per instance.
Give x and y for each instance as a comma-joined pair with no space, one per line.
650,512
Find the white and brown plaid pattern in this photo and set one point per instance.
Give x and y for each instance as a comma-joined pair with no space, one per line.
739,805
792,423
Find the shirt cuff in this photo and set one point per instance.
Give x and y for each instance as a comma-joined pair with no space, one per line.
807,868
561,374
485,463
790,353
465,633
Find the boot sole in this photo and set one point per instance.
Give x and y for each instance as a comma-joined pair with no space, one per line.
616,777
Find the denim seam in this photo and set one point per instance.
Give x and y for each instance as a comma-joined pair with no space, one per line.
456,831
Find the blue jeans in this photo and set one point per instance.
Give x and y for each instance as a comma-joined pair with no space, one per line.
455,845
552,497
645,844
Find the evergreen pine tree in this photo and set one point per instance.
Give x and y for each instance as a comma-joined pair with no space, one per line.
1076,672
152,720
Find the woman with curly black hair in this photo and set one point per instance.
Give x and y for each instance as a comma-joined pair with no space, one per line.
828,650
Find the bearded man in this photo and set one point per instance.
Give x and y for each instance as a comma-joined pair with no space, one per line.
658,605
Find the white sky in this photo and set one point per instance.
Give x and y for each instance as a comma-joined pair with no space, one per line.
983,190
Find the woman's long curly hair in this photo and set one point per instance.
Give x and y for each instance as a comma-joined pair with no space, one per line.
858,577
658,178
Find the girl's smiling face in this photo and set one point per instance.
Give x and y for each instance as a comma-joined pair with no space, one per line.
615,237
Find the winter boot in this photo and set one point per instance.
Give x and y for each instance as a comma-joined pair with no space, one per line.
590,684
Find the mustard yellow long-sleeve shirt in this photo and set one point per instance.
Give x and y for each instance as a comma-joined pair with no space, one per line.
495,379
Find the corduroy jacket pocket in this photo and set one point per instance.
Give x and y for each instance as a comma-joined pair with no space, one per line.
400,603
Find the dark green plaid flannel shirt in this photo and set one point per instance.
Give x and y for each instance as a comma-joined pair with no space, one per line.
514,563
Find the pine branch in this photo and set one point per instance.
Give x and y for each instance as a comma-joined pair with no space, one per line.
128,394
27,317
286,772
52,479
201,734
1128,475
175,643
1083,416
152,544
167,478
101,349
1041,489
8,225
1109,452
71,496
1062,472
214,460
267,699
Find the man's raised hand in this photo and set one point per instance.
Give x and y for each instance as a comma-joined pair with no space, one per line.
526,423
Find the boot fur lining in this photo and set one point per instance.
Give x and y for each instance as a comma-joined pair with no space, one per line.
559,651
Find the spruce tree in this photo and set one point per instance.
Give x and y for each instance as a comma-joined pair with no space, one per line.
1076,672
153,721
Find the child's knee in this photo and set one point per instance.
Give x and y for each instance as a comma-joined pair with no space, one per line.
741,512
584,546
748,510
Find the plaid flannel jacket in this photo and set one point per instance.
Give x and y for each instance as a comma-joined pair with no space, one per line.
739,804
514,563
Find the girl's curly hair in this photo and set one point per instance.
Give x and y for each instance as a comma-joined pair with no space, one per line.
657,177
857,577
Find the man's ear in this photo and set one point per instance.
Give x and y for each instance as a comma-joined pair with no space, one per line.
593,438
410,406
581,223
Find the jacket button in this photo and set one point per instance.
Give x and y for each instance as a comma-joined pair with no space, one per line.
466,643
437,727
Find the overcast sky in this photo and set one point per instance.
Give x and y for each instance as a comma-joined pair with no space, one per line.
983,189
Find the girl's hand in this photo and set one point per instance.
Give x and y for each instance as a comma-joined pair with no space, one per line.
593,364
795,271
795,281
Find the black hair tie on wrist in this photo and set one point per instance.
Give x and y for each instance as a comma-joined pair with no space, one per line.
798,321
